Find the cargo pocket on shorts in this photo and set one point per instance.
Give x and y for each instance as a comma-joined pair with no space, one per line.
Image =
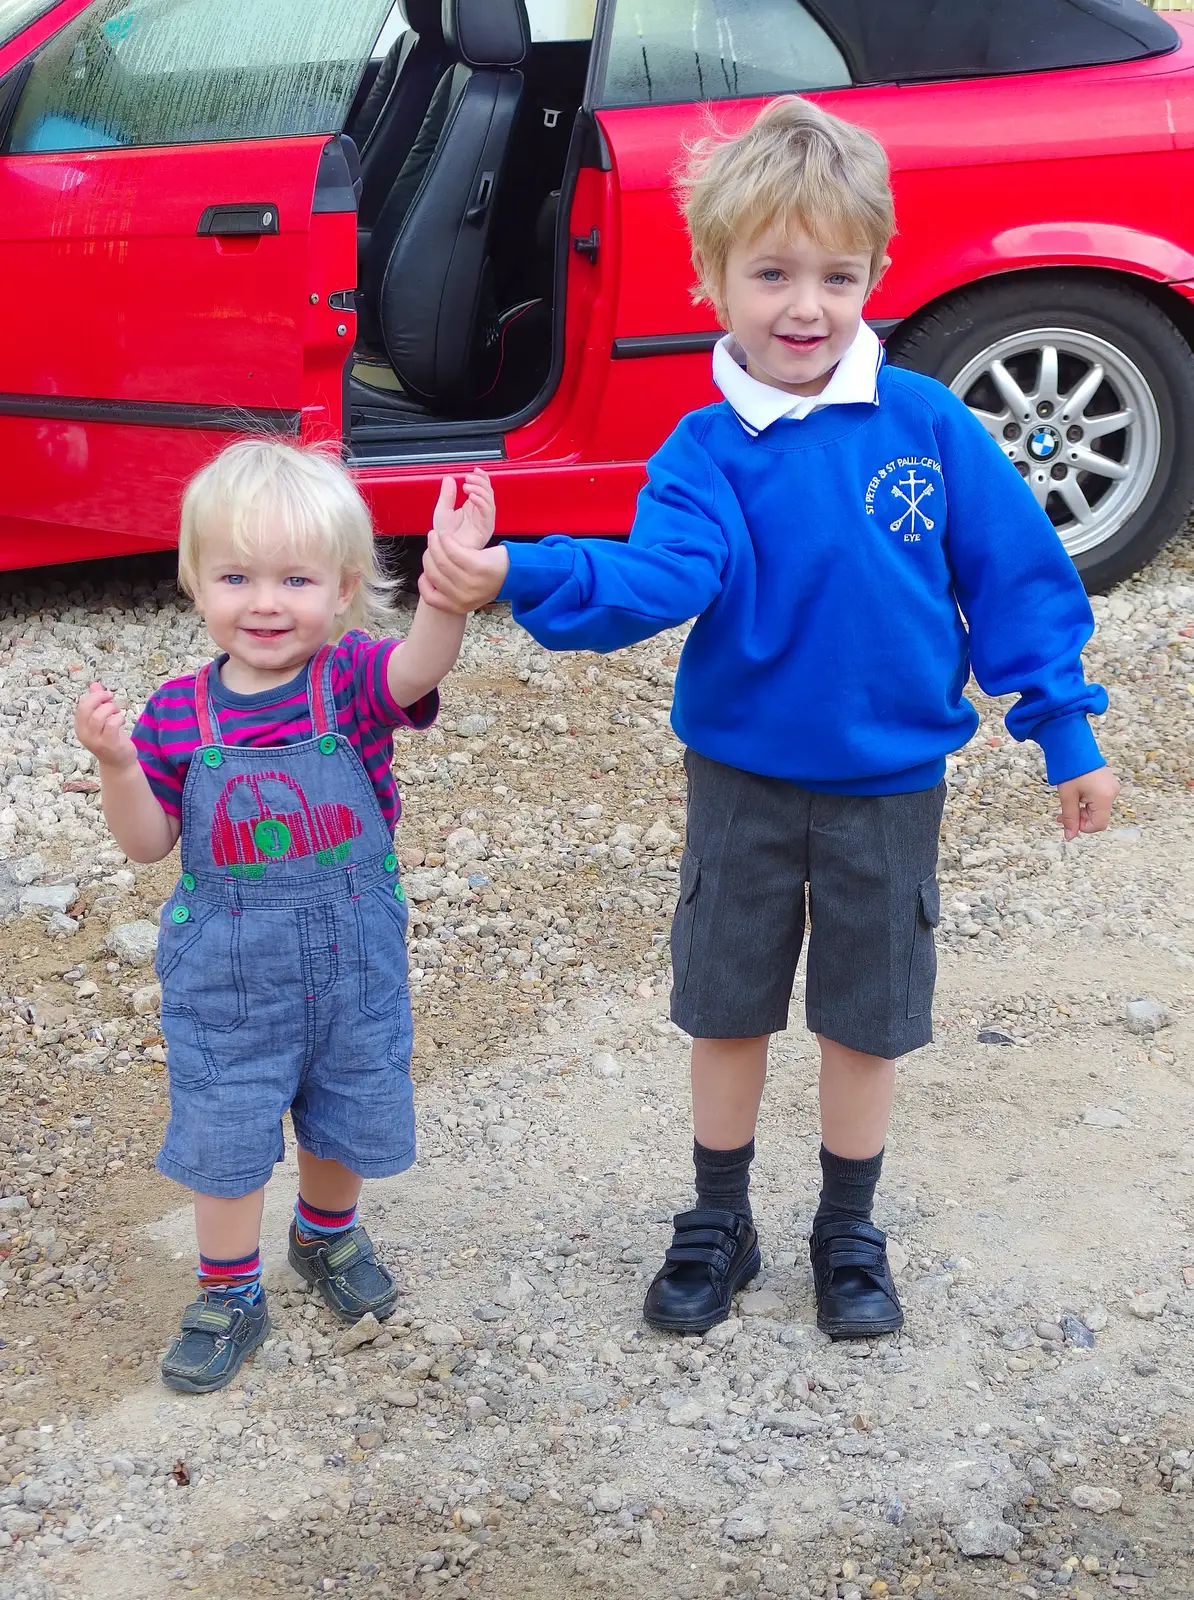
203,994
922,972
684,921
382,920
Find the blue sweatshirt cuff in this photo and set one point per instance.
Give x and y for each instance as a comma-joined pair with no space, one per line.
1070,747
536,571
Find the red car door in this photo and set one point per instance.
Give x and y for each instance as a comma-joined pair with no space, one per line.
178,249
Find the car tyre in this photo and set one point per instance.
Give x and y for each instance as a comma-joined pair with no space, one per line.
1150,374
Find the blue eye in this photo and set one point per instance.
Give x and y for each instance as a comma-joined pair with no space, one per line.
771,275
233,578
839,279
297,582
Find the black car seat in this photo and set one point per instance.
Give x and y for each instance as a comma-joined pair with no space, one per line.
427,278
388,122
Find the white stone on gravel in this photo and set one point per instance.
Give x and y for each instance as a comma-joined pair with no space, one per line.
134,943
1148,1305
985,1535
146,1001
1087,1497
686,1414
1104,1117
607,1498
607,1066
50,897
442,1333
761,1303
362,1332
745,1524
1147,1016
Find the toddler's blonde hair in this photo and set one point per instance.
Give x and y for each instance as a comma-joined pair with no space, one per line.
271,495
795,165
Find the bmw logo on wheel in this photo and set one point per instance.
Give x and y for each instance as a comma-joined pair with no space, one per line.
1044,443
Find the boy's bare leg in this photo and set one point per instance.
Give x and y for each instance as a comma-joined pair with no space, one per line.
727,1086
856,1096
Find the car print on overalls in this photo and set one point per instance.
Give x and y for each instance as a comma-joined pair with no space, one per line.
285,831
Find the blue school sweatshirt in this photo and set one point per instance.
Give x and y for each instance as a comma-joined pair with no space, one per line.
846,572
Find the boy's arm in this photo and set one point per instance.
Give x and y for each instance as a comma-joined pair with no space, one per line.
1028,615
132,811
596,594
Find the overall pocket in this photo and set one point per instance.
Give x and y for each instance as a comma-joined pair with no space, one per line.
684,920
381,950
203,995
922,970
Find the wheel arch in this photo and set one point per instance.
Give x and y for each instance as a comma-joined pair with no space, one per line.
1175,306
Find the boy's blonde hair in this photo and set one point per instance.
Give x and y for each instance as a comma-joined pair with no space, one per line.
795,164
270,495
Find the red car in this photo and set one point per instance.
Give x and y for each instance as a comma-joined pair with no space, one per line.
263,817
220,216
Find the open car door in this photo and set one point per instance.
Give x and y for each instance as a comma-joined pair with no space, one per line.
178,240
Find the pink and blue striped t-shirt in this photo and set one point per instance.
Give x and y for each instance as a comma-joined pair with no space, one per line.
167,732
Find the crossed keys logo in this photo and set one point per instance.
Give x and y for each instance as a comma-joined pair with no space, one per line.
912,492
912,482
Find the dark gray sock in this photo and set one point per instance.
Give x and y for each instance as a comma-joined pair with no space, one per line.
848,1187
723,1177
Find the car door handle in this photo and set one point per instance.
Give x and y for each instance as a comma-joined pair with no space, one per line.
239,221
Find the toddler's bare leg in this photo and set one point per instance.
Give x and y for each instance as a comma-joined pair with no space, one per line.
327,1184
228,1230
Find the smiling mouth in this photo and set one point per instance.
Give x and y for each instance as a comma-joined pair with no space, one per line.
797,342
266,633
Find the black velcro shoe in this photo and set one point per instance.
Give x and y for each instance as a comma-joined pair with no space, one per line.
711,1256
346,1273
217,1333
856,1298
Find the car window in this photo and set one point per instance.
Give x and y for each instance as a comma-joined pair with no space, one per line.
394,25
188,71
557,20
671,51
889,42
18,14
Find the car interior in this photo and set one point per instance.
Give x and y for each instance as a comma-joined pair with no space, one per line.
462,132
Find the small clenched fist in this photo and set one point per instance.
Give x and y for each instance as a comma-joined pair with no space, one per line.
99,723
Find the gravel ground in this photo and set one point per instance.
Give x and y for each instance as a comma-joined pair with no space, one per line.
515,1432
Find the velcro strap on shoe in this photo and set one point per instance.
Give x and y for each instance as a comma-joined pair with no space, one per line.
728,1222
204,1316
852,1244
706,1255
346,1253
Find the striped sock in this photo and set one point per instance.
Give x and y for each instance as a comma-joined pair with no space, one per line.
310,1222
242,1277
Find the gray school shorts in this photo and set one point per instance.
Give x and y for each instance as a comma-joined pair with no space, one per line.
752,844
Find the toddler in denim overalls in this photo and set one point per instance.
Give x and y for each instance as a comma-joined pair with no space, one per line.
282,955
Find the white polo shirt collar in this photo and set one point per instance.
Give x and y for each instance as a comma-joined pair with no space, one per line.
757,405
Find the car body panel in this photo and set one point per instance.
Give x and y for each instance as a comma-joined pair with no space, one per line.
194,338
181,339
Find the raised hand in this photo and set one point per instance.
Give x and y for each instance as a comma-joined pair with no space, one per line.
99,724
458,578
472,523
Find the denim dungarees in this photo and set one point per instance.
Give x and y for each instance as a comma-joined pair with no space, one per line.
282,960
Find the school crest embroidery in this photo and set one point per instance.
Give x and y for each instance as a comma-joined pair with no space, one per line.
908,497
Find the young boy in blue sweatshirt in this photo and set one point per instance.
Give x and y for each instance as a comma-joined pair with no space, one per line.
851,542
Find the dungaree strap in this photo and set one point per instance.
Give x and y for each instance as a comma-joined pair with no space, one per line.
319,691
209,728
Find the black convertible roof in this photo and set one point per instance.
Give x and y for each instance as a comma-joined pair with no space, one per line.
892,41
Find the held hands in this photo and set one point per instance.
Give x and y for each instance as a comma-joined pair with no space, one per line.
1086,802
459,573
99,724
